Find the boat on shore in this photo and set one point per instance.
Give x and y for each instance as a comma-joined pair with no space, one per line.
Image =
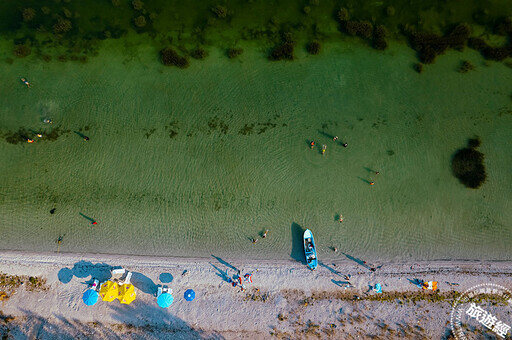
310,250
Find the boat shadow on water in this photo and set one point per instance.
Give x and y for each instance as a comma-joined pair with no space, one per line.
297,252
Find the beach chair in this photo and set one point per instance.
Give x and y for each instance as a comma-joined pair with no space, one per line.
117,274
95,284
127,279
163,289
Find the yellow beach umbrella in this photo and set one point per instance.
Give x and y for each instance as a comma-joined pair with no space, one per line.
127,293
109,291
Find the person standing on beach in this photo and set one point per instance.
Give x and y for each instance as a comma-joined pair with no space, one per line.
265,234
341,218
324,147
335,138
312,144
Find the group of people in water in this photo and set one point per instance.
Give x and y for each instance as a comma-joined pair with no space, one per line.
264,235
324,147
46,120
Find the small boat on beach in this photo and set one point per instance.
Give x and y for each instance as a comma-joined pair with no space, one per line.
310,250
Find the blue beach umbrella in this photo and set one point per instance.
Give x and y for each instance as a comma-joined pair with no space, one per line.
90,297
189,295
165,300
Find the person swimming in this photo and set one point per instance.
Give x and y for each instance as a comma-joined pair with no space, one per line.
47,121
25,81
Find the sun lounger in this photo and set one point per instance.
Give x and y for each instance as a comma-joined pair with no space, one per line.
163,289
126,279
118,273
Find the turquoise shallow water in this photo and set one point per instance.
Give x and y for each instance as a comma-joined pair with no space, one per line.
198,161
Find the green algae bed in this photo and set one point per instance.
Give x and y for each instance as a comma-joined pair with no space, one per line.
68,30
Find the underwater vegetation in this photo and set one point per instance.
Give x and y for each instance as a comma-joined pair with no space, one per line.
234,52
468,165
363,29
140,21
466,66
418,67
66,30
62,26
489,52
21,51
170,57
199,53
313,47
284,51
379,38
220,11
430,45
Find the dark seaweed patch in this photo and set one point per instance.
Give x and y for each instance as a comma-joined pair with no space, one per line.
149,132
246,130
468,166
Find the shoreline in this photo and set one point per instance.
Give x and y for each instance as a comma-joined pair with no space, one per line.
285,298
132,259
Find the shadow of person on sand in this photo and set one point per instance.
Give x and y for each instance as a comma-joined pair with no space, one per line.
84,269
221,273
417,282
358,261
143,283
332,270
297,252
340,283
229,265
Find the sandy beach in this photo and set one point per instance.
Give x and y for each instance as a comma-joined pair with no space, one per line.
286,300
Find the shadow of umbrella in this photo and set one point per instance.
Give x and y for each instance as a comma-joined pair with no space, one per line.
297,252
65,275
143,283
166,278
100,271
